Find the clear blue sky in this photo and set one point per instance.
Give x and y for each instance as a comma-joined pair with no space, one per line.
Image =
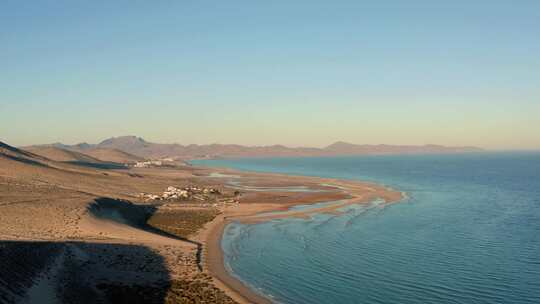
299,73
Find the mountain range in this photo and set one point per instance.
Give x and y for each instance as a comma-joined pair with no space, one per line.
138,147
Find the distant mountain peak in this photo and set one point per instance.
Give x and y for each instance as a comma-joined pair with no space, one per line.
83,145
139,147
123,139
339,144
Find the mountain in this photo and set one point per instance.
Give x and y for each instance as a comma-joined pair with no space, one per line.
141,148
82,146
124,143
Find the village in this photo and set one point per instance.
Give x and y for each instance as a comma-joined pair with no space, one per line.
191,193
148,163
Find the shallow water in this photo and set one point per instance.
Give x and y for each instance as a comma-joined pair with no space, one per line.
468,233
240,186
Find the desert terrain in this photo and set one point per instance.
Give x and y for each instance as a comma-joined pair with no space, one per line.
78,228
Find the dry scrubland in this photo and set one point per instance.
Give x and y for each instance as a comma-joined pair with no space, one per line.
71,232
182,222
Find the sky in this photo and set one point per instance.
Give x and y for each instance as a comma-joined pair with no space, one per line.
299,73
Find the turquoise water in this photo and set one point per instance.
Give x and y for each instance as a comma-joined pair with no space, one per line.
468,233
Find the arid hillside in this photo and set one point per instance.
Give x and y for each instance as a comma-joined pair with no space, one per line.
112,155
137,146
61,155
77,234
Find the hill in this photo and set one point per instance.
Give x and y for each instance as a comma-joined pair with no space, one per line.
61,155
141,148
32,171
8,152
112,155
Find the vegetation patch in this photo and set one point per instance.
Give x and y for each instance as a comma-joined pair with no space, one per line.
182,222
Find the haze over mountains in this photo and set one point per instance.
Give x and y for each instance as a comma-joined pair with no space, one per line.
140,148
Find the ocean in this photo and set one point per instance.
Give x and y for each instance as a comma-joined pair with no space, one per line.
468,232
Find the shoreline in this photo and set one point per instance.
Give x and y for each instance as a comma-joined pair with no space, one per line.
215,264
352,192
97,217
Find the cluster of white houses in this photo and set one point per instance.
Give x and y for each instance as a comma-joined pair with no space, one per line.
192,192
148,163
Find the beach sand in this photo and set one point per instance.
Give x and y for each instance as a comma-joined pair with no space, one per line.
254,208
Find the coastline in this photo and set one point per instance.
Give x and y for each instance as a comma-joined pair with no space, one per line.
214,263
254,211
61,222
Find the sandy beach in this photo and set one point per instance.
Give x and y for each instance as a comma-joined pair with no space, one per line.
317,190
